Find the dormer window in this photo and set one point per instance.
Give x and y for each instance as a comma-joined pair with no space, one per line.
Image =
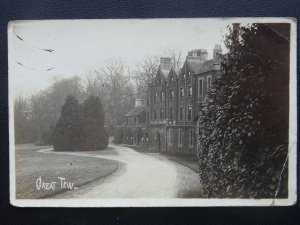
183,76
189,74
172,78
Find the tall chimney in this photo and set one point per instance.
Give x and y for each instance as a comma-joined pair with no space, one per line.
217,51
197,55
166,63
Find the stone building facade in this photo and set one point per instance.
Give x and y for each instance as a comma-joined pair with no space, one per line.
135,122
167,120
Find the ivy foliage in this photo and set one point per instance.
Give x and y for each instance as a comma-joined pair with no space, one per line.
243,140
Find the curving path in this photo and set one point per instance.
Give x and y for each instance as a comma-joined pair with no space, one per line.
141,175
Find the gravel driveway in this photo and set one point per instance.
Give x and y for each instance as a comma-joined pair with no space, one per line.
141,175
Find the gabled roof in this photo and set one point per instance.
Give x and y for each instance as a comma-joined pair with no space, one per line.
164,73
203,66
136,111
195,65
173,72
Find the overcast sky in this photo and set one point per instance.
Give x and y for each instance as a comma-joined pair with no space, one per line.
80,46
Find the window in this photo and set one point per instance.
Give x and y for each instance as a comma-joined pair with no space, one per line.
171,94
181,92
208,82
180,137
171,113
190,91
147,116
147,137
180,113
158,81
170,137
156,97
162,113
135,120
162,96
183,76
172,78
154,112
191,138
189,112
148,102
200,87
189,74
127,121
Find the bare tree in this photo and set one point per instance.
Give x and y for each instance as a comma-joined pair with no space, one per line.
45,106
118,93
145,73
60,89
94,85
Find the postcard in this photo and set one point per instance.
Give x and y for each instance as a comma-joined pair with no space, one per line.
153,112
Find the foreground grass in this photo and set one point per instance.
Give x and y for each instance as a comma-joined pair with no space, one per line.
31,164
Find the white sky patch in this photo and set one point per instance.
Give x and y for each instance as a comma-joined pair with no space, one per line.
84,45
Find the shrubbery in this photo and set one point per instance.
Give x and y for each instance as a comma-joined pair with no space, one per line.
244,122
93,135
80,127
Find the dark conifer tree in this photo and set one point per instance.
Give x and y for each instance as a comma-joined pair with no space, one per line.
93,135
67,131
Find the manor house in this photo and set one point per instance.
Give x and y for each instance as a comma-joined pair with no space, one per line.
167,119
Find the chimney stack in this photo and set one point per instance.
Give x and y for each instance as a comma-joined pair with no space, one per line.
166,63
217,51
197,54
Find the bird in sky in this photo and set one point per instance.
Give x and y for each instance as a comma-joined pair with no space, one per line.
43,49
50,69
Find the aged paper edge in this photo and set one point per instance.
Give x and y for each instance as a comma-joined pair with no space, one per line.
171,202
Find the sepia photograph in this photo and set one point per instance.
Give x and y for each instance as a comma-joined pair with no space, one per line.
153,112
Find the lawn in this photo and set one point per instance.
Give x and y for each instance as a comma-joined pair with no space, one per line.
32,165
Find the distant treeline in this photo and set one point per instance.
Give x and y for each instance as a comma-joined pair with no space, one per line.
114,84
36,116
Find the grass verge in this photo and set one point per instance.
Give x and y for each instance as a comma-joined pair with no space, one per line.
30,165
